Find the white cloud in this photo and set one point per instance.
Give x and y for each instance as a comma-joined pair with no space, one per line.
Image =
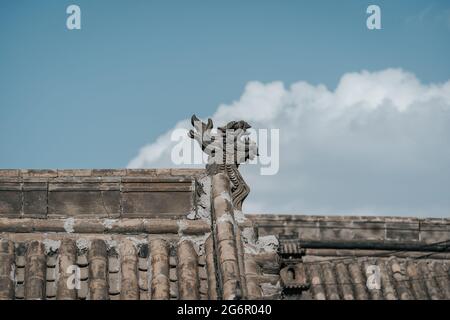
378,144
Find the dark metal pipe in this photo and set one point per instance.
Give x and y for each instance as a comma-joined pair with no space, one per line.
443,246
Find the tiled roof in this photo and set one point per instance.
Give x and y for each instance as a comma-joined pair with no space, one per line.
361,257
56,225
176,234
155,269
352,278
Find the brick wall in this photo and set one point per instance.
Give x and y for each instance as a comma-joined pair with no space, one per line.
344,228
97,193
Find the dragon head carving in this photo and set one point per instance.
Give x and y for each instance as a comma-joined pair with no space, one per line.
226,148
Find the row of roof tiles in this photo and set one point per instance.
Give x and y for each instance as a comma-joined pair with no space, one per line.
356,278
157,270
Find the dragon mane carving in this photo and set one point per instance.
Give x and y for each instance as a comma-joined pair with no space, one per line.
226,149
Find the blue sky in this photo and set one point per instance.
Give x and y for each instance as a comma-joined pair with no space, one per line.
91,98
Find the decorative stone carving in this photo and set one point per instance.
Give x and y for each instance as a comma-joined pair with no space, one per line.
292,274
226,149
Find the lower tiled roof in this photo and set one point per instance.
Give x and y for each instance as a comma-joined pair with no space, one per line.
341,257
351,278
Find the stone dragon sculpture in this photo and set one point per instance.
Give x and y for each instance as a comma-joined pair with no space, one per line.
226,149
